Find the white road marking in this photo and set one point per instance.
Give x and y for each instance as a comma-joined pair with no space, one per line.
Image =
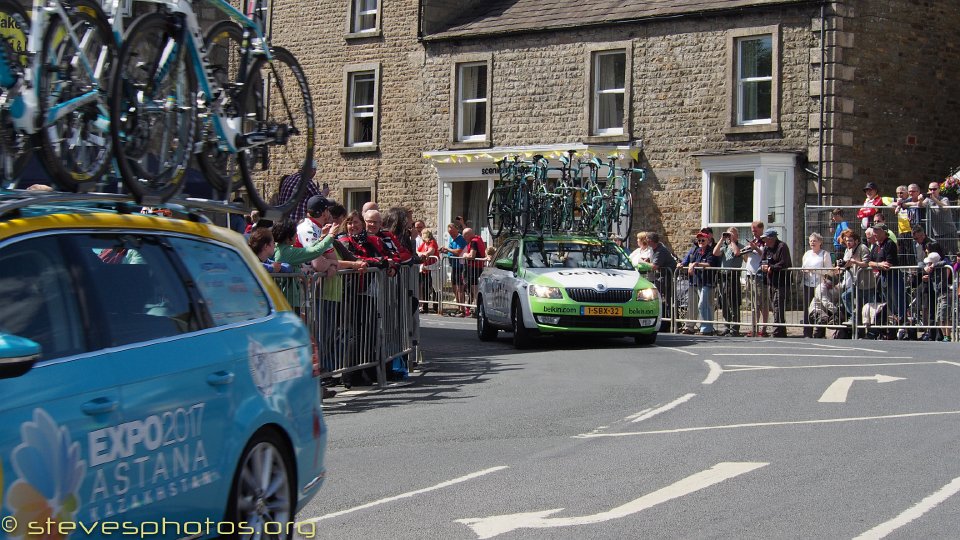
489,527
643,415
837,392
948,362
677,350
768,348
715,372
913,512
765,424
812,355
730,368
844,348
409,494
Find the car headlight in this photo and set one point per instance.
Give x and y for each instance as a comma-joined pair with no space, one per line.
645,295
541,291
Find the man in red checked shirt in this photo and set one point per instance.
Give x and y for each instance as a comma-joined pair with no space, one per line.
288,187
475,259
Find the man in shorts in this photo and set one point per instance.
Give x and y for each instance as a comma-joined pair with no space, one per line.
474,255
454,252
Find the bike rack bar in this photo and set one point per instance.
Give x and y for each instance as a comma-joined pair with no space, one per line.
184,208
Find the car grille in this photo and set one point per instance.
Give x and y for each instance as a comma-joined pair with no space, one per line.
593,296
599,322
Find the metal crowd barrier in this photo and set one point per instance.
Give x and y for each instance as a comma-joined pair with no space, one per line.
449,281
900,302
939,223
358,320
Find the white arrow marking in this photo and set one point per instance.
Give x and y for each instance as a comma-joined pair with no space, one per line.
496,525
837,392
714,374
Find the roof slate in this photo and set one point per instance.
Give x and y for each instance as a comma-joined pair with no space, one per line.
508,16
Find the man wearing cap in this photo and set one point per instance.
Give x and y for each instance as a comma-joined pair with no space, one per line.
697,262
288,188
775,260
870,204
883,257
318,225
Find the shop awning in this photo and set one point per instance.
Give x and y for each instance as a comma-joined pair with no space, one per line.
552,152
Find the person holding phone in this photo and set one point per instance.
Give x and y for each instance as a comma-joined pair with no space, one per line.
731,296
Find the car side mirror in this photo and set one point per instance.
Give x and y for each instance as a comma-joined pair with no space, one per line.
644,267
17,355
504,264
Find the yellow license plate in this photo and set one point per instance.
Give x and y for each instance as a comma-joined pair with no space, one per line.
603,311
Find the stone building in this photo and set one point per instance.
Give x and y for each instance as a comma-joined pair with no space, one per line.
738,109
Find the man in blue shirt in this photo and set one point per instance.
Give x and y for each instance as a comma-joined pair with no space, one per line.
454,252
836,216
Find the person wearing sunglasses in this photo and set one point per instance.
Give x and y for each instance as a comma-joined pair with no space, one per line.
698,262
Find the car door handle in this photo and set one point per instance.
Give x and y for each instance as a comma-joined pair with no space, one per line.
220,378
100,405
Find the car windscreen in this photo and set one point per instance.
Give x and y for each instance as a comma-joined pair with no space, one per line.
560,254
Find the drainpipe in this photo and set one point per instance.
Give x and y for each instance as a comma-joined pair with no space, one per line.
823,78
420,20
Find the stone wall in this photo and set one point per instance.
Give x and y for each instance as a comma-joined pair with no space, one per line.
396,173
897,93
678,100
889,97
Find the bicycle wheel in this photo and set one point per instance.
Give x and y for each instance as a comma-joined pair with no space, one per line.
522,208
498,211
277,125
154,109
224,57
621,218
15,146
75,141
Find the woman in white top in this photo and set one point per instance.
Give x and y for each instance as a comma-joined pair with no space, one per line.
643,253
816,261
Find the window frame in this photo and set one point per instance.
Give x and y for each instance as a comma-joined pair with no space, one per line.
764,167
592,95
91,338
353,17
456,139
734,113
350,74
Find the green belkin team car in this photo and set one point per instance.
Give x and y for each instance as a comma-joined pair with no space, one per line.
565,284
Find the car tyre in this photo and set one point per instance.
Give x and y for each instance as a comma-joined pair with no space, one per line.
484,331
521,336
645,339
255,499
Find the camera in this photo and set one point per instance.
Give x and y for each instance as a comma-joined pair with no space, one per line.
725,235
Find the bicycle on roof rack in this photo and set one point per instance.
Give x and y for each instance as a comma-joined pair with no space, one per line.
54,77
247,114
526,197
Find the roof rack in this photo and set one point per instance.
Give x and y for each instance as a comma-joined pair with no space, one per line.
11,201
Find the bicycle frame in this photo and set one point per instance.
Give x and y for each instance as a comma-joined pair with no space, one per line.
254,43
25,103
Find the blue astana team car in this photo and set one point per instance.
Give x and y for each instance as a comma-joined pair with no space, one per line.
152,375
